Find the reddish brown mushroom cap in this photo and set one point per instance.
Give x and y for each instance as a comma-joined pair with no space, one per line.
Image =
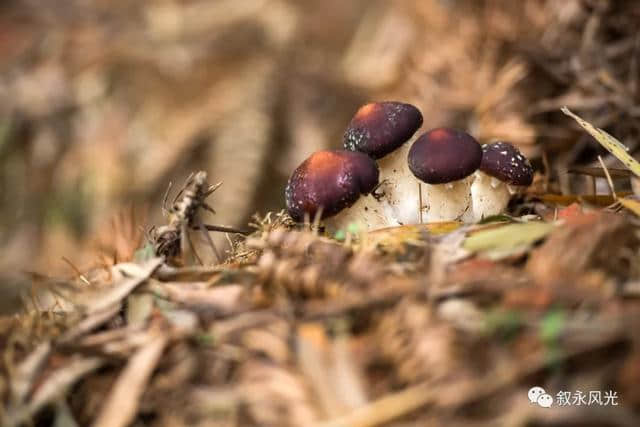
444,155
504,161
330,179
380,128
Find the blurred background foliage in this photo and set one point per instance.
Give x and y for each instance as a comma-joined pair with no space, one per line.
103,103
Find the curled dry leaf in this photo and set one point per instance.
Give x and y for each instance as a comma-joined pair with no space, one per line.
93,302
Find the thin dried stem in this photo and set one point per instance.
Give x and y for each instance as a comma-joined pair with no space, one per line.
165,211
609,180
214,249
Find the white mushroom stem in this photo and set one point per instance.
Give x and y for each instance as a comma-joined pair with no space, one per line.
489,196
446,202
366,214
400,187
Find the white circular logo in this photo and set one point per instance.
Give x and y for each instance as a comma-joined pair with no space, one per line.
535,393
545,400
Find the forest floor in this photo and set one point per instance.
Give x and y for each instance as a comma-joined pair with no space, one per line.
431,324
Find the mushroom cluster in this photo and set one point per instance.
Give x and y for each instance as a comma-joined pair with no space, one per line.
382,179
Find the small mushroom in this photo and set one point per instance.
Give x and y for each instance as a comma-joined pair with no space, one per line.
338,183
503,169
381,130
445,160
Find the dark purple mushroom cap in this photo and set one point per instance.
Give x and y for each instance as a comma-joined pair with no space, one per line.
444,155
504,161
380,128
329,179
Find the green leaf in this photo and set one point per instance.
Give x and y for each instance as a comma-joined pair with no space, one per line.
205,339
353,228
550,330
552,325
144,253
506,240
505,324
614,146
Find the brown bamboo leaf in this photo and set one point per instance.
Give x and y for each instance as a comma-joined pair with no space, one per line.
121,405
25,373
89,323
567,199
347,375
386,408
221,298
599,172
312,347
56,385
98,301
139,309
